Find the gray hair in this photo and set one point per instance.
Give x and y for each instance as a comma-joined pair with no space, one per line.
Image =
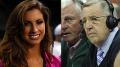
66,3
104,5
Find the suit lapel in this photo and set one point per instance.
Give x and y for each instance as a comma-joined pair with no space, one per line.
114,48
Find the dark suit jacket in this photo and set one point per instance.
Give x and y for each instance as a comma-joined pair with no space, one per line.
80,59
108,61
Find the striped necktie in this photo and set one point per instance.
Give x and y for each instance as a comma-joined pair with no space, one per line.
99,56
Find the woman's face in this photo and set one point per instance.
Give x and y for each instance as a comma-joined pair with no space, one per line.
34,27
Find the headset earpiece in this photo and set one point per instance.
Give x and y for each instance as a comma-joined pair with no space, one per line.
111,22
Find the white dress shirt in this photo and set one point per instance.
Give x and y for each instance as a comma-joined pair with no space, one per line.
106,45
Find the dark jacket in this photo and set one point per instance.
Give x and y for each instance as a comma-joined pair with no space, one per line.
108,61
80,58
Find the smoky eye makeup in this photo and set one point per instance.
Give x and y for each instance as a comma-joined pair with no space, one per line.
39,21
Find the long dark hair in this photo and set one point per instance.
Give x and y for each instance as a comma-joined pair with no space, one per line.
13,50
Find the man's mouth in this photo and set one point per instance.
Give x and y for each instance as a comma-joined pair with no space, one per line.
91,34
65,34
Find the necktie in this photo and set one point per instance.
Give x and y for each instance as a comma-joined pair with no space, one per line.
99,56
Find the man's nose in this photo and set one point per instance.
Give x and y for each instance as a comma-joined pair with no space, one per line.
63,26
88,24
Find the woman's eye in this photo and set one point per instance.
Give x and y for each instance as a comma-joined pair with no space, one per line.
27,23
39,21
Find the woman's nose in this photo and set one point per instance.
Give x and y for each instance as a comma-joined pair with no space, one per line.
34,28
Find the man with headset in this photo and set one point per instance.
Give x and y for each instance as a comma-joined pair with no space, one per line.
101,29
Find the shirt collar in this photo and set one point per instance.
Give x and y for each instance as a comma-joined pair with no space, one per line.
73,48
76,44
106,45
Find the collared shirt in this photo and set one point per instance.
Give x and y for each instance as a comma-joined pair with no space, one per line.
73,48
106,45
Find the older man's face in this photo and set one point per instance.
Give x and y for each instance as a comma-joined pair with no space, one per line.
94,20
70,24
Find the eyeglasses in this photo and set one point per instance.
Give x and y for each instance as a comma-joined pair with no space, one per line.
93,19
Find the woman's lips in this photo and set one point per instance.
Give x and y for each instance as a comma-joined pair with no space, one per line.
34,36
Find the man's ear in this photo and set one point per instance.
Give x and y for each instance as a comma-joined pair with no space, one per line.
81,23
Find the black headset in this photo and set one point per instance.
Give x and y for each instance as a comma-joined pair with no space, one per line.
111,21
